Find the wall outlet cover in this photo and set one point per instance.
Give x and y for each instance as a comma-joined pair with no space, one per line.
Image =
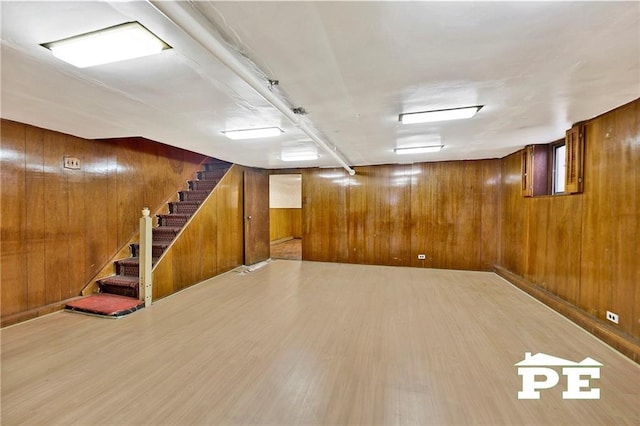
71,163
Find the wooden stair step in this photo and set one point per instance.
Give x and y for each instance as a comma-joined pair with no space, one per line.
120,284
157,248
196,195
211,174
129,267
188,207
215,164
173,219
165,233
205,185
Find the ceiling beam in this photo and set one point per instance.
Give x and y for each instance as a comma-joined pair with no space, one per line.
196,26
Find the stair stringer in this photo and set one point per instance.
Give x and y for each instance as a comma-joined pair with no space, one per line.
209,244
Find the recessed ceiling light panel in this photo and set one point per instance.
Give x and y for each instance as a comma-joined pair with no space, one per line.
299,153
113,44
299,156
418,149
439,115
267,132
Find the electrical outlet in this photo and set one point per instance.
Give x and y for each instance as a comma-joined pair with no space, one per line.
422,256
71,163
612,317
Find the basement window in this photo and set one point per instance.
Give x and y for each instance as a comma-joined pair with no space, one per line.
555,168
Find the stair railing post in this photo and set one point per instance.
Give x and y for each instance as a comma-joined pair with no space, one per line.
145,289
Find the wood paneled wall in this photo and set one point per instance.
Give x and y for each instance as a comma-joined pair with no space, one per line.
387,215
584,248
211,242
285,223
61,226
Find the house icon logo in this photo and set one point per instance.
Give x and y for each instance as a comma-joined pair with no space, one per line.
541,365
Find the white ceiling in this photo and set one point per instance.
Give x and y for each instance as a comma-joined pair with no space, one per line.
537,67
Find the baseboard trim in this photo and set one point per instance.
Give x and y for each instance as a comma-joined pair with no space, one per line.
281,240
34,313
615,338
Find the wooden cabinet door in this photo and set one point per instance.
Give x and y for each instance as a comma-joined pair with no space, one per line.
527,171
535,174
574,142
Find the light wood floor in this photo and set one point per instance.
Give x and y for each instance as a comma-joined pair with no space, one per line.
289,250
301,343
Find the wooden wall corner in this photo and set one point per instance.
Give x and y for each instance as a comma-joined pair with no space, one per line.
622,342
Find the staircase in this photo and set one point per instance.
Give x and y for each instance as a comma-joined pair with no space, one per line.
125,282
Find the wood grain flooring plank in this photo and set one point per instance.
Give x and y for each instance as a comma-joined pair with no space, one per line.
311,343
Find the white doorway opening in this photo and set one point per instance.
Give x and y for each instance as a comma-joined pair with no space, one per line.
285,216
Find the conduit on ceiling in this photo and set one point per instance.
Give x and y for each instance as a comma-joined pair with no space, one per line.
195,26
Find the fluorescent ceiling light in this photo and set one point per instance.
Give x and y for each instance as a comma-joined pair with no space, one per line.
299,156
439,115
418,149
113,44
266,132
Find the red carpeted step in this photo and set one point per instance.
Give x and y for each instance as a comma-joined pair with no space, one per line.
106,304
198,195
157,248
128,267
165,233
188,207
215,164
120,284
173,219
204,185
211,174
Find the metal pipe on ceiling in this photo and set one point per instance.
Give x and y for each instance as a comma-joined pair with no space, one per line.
195,26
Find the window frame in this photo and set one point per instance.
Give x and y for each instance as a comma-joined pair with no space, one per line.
539,165
553,148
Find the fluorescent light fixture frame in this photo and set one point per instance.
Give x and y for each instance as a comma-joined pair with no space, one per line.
439,115
418,149
265,132
113,44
